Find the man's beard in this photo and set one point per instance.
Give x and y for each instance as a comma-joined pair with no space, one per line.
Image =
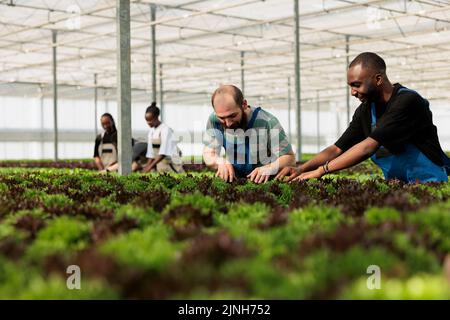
241,124
372,94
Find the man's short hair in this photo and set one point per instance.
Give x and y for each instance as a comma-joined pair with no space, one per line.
369,60
238,97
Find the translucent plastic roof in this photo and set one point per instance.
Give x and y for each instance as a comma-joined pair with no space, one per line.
200,44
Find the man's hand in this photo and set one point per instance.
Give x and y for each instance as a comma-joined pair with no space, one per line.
225,171
315,174
291,172
261,174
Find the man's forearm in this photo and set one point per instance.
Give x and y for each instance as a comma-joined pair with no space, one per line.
321,158
354,155
211,162
212,159
287,160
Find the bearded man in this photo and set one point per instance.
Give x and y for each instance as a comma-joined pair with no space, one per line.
393,126
256,145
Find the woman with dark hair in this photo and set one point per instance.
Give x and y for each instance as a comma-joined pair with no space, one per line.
106,151
162,151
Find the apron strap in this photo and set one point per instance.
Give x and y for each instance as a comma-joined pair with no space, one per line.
247,166
373,108
254,115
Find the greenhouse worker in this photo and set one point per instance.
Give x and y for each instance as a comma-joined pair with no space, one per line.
105,150
162,152
255,144
392,125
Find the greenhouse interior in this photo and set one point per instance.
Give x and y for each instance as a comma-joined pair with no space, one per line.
347,199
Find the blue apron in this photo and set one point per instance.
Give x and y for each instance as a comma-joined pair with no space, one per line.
240,169
409,166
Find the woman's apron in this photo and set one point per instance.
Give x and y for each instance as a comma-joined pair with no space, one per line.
107,152
167,164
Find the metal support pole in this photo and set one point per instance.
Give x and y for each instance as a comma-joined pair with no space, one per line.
41,90
55,97
153,27
161,92
289,109
318,121
242,73
347,37
297,80
124,86
95,104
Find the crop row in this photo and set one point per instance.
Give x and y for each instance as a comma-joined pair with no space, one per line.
195,236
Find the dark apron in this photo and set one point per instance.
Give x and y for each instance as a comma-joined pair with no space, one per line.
240,169
411,165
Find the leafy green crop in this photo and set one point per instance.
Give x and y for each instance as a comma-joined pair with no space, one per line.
193,235
419,287
19,282
61,235
149,248
435,221
379,215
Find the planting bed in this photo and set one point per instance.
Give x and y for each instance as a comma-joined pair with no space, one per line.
194,236
87,164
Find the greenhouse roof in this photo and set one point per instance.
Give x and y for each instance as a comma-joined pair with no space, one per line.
202,43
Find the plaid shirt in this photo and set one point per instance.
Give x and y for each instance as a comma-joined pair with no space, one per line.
266,139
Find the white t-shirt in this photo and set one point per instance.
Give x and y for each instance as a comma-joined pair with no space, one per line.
168,145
